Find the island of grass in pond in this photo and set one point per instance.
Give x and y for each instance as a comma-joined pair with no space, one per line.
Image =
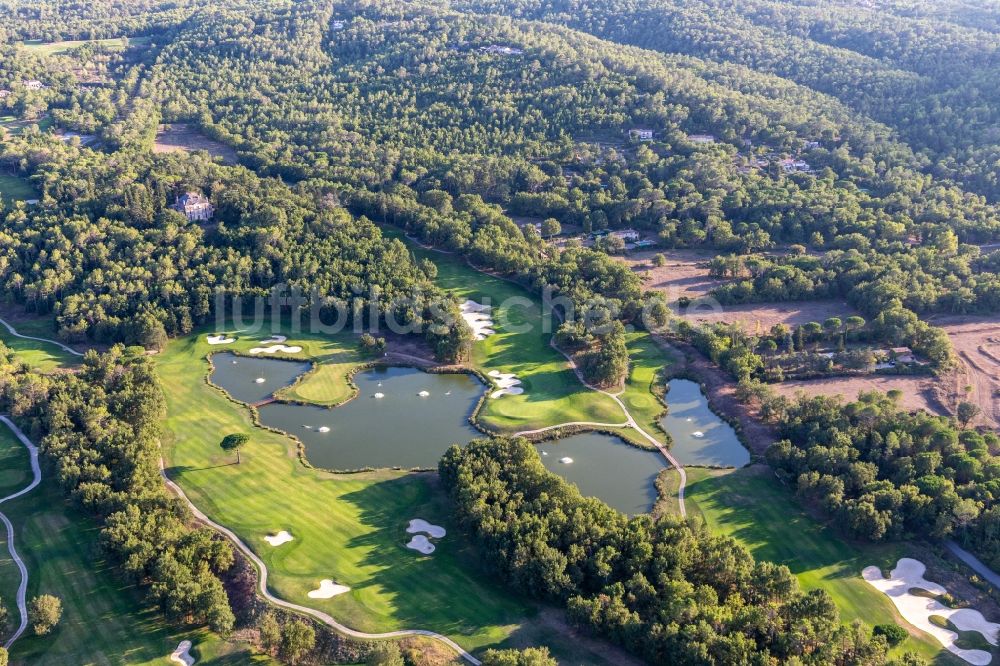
699,436
603,466
401,417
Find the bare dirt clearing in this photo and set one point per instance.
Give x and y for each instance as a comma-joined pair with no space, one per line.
918,392
977,345
179,137
760,317
684,275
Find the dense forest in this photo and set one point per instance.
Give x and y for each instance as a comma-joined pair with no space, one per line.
932,81
666,591
888,474
99,431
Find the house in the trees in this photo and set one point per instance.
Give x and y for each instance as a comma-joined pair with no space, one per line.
790,165
33,84
627,235
196,208
640,134
701,138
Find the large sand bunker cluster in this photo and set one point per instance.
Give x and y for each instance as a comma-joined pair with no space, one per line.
478,318
420,542
918,609
507,384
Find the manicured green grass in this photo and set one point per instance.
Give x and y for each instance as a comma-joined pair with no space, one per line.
326,384
14,188
55,48
645,383
552,393
752,506
42,356
104,620
350,528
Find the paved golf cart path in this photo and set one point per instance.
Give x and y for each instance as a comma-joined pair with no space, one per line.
630,423
65,348
22,589
318,614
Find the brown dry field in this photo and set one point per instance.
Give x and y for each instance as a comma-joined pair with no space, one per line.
685,274
922,392
760,317
179,137
977,345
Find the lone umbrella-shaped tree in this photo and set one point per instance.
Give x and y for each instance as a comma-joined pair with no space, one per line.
234,442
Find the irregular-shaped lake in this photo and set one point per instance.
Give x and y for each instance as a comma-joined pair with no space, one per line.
699,436
240,376
402,428
607,468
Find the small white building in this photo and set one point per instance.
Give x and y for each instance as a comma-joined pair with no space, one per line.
338,25
627,235
701,138
812,145
196,208
790,165
497,49
33,84
640,134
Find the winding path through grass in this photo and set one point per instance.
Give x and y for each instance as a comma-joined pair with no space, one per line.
630,423
22,589
65,348
319,615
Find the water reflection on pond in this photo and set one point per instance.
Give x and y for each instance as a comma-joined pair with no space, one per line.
605,467
699,436
416,418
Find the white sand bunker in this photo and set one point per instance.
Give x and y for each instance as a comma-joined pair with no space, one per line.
274,339
182,655
277,539
478,319
566,461
421,525
274,349
421,544
328,589
220,339
507,383
917,610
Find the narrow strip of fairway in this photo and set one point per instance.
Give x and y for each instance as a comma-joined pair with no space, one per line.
39,354
753,507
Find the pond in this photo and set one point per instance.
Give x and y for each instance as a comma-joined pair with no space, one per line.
402,428
607,468
240,376
699,436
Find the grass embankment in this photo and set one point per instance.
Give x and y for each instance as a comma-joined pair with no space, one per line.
350,528
552,393
104,620
752,506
